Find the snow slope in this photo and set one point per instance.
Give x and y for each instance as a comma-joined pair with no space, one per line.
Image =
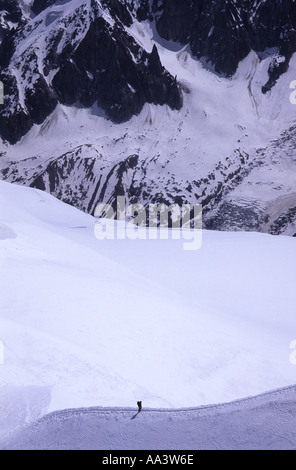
266,422
105,323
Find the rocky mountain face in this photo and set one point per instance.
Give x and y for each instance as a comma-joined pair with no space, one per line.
150,62
89,57
82,55
224,32
11,17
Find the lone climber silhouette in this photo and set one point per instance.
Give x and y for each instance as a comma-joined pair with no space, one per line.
139,403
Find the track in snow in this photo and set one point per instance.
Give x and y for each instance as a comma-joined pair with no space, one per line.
263,422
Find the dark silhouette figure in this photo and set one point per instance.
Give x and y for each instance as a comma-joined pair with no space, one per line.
139,403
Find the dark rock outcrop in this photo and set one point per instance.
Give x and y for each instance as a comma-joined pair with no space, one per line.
14,122
103,70
224,31
11,16
98,62
91,59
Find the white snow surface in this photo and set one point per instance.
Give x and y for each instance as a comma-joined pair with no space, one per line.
265,422
89,323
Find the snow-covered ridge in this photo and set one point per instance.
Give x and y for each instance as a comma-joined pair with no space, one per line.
265,422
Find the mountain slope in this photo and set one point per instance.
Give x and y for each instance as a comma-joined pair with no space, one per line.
167,102
105,323
224,32
79,53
